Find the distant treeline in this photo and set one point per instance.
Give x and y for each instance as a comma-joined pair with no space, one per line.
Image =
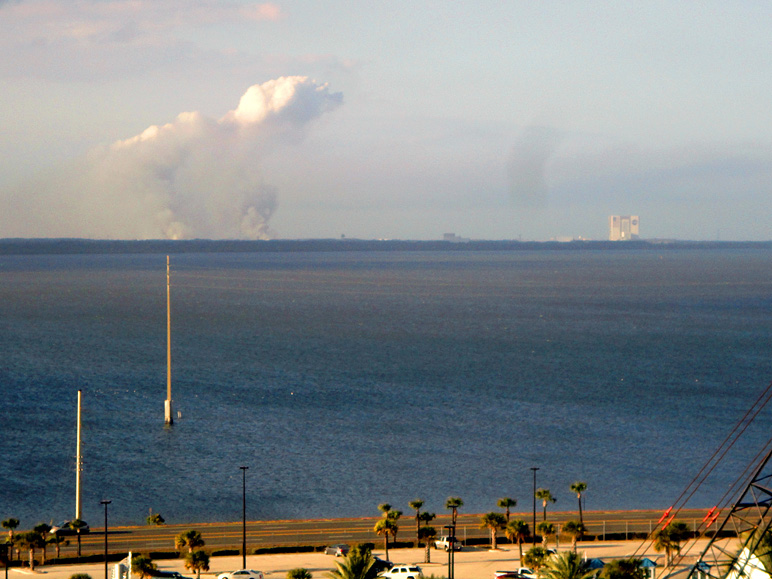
102,246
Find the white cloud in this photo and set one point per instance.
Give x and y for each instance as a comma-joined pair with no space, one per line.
193,177
95,21
97,40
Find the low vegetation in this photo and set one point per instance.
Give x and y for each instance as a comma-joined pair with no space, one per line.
198,561
358,564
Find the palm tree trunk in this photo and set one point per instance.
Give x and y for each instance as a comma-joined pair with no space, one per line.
520,547
386,544
493,539
428,556
581,520
32,559
544,505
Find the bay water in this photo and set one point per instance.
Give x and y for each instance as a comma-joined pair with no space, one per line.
344,380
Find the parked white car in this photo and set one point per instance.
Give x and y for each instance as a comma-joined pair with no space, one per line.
403,572
242,574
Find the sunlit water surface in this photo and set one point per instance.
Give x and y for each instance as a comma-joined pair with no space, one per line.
344,380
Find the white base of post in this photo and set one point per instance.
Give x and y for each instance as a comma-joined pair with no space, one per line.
168,412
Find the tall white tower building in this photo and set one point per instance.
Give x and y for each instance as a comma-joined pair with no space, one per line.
622,227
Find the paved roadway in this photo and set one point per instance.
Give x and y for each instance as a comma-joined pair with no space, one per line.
221,536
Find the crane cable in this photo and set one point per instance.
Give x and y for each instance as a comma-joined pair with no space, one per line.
710,465
730,493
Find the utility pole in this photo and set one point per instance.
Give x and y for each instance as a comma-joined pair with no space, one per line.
168,419
78,467
105,503
533,531
244,516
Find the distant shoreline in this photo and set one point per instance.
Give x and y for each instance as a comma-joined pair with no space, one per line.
67,246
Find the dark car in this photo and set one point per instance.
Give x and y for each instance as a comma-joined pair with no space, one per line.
339,550
169,574
65,528
381,565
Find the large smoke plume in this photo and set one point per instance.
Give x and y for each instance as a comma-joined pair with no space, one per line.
193,177
526,168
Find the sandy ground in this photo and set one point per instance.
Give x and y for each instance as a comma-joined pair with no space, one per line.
471,563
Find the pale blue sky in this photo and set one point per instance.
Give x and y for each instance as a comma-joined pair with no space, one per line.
493,120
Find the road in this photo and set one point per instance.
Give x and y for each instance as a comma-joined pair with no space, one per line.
261,534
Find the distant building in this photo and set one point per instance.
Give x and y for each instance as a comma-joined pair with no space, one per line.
453,238
622,227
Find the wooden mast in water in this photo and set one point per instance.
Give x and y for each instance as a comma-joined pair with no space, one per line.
168,403
78,468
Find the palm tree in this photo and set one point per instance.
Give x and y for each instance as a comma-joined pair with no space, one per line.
77,524
427,517
43,529
155,519
142,566
393,516
546,530
575,530
299,573
191,539
454,503
545,496
566,565
579,487
494,522
763,548
623,569
384,508
517,530
10,524
506,503
670,538
385,527
416,504
535,558
30,541
57,541
197,561
358,564
427,535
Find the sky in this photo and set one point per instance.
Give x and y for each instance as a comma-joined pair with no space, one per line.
139,119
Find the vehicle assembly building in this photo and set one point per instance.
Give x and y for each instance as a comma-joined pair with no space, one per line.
622,227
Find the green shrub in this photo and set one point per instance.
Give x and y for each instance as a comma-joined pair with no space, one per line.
299,573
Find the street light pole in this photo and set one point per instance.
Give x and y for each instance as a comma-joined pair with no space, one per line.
451,549
105,503
244,516
533,531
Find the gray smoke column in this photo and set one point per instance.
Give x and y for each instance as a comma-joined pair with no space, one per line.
527,164
193,177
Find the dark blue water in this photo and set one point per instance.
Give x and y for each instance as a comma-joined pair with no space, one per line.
344,380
